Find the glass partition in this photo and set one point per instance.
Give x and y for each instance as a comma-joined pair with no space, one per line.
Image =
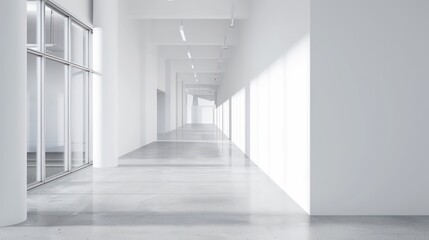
55,117
55,33
78,117
33,122
79,45
59,76
33,25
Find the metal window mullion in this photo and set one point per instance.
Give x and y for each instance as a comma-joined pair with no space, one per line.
34,52
42,27
42,94
60,60
42,122
68,160
64,12
56,59
90,117
68,39
88,103
39,156
67,152
87,118
87,48
81,67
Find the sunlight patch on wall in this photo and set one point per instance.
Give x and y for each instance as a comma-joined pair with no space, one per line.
238,119
280,122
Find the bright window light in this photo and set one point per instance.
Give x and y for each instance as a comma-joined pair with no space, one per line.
280,121
182,33
31,6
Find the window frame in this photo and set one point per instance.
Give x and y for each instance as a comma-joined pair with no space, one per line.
41,53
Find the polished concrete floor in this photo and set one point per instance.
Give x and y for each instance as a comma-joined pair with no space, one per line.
194,184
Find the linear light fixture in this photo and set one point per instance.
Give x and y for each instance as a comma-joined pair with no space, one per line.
225,46
196,80
192,66
195,75
182,31
232,17
189,55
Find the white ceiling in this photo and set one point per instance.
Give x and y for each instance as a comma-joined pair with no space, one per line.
188,9
198,32
198,52
207,28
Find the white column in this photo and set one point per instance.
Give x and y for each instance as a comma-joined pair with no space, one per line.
105,123
13,110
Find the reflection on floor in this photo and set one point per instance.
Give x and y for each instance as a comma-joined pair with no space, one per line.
182,188
54,164
193,133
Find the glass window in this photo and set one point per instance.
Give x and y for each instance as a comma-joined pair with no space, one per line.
79,45
55,33
90,110
78,117
33,79
58,103
55,85
33,25
90,50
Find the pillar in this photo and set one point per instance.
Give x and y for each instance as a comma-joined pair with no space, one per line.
13,109
105,82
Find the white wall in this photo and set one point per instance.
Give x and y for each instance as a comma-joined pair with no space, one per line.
179,103
150,84
130,80
161,112
171,97
369,107
81,9
271,62
137,85
187,9
161,72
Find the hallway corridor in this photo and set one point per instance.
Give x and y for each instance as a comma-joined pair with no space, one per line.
193,184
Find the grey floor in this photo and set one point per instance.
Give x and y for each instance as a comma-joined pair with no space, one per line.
194,184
